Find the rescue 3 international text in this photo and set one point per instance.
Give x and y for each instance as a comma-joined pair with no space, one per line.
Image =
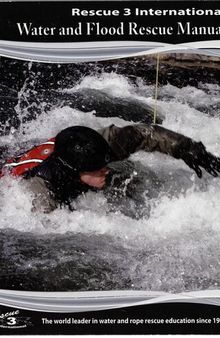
123,27
145,12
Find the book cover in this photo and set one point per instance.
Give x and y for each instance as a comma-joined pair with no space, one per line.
109,167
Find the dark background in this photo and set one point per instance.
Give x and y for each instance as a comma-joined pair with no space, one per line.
166,311
60,14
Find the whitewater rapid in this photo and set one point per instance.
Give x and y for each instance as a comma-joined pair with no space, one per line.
176,248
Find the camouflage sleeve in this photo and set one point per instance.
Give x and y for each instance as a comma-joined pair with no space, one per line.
130,139
42,199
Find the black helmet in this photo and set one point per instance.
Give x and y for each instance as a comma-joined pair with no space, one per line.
82,149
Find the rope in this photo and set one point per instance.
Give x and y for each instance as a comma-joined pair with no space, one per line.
156,88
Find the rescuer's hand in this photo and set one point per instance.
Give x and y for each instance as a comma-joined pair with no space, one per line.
196,157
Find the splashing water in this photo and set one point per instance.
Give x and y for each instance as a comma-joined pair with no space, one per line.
175,248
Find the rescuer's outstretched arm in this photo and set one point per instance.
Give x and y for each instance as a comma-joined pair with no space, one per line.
130,139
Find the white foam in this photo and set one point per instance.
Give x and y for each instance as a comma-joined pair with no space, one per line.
110,83
178,227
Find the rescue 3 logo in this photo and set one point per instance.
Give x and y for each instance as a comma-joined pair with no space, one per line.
11,320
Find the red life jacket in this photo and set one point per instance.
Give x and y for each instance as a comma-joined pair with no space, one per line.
19,165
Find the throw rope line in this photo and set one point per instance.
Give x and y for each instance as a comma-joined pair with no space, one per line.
156,88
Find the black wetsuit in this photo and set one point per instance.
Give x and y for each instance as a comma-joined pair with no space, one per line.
61,185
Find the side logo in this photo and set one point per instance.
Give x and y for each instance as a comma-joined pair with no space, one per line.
12,320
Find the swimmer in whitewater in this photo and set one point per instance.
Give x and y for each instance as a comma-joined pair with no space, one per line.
78,159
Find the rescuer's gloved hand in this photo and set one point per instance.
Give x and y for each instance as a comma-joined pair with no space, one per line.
195,155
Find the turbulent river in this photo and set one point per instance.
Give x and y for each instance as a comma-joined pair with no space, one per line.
168,242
